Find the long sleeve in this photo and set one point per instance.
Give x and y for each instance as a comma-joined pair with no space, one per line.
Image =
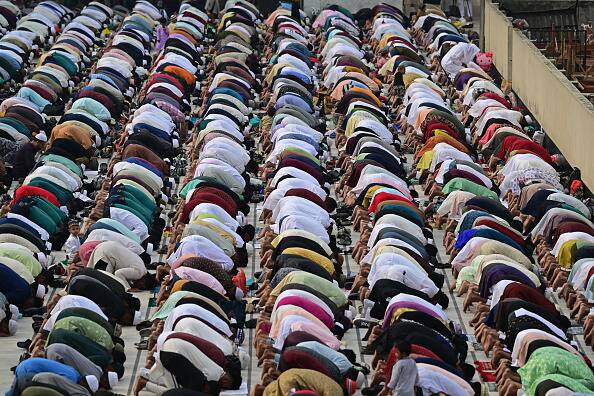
394,377
71,245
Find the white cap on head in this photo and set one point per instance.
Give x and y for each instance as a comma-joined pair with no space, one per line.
14,311
12,327
244,358
360,380
40,291
112,377
41,136
93,382
42,259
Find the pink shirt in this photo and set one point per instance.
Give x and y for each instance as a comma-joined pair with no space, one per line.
309,306
86,249
200,277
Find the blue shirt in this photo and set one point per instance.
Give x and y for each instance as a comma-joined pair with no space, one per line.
304,138
302,76
291,99
146,165
15,288
33,366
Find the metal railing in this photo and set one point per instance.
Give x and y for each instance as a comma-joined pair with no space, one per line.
543,17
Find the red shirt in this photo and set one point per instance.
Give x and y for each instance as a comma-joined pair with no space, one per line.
155,78
26,191
527,293
383,196
571,226
503,229
309,195
414,349
295,163
513,143
433,125
209,195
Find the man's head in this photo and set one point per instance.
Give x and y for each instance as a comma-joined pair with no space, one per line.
39,141
146,282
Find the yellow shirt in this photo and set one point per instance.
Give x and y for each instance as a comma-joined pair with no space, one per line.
304,234
425,161
356,118
565,255
317,258
369,195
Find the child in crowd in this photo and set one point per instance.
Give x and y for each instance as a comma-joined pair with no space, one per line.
73,242
404,373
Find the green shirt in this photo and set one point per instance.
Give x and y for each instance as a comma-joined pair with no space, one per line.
85,313
73,166
461,184
169,304
327,288
88,328
552,360
63,195
96,353
122,229
24,258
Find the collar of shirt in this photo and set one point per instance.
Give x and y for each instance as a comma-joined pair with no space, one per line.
294,205
199,312
300,223
144,173
202,247
131,221
220,213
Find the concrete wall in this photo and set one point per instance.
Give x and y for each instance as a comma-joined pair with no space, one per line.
497,37
564,113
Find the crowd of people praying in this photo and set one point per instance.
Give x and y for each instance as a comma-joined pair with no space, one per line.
168,148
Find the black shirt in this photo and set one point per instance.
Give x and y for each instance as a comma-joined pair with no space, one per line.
24,161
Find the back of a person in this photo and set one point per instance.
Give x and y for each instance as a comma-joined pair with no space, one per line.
23,160
405,386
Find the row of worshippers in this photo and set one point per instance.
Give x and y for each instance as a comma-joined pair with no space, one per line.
36,217
194,337
77,347
398,281
23,34
304,313
488,174
47,87
9,16
17,48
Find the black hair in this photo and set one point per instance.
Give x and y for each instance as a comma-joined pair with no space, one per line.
442,299
330,204
248,232
468,370
100,265
403,347
476,387
234,370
